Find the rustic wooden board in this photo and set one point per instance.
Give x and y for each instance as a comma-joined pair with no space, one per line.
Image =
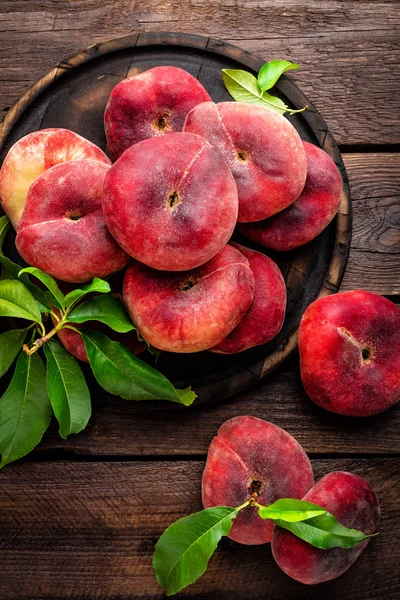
125,428
88,530
74,94
374,261
348,50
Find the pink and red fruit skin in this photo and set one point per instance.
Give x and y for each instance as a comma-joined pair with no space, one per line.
191,311
164,231
308,216
31,156
50,238
249,449
263,150
333,334
137,103
265,317
352,501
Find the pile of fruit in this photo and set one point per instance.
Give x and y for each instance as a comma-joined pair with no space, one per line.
187,172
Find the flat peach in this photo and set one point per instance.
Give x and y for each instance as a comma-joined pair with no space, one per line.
62,229
148,105
192,311
263,150
171,202
265,317
251,455
352,501
314,209
349,346
31,156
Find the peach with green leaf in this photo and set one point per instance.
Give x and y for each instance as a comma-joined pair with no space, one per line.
251,456
352,501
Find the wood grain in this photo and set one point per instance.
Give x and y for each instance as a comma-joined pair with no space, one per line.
348,50
374,261
88,530
125,428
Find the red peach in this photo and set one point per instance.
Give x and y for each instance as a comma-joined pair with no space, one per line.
251,455
315,208
62,229
192,311
150,104
171,202
349,347
263,150
352,501
265,317
33,155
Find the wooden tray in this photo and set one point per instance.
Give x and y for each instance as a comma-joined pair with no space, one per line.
74,94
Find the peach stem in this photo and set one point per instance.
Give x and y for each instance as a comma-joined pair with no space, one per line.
41,341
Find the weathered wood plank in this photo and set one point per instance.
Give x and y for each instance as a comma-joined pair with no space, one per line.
374,261
349,51
88,530
131,428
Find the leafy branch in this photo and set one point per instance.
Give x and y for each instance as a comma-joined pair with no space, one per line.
184,549
37,389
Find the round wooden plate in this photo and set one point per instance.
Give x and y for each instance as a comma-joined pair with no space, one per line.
74,94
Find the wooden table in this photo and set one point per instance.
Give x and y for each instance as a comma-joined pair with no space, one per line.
79,518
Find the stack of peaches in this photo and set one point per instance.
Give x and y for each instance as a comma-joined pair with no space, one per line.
186,173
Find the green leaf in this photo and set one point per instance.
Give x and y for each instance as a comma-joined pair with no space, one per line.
96,285
121,373
291,510
269,74
106,309
184,549
325,532
17,301
243,87
10,270
49,282
67,389
10,345
25,409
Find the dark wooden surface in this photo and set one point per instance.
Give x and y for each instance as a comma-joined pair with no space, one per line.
79,518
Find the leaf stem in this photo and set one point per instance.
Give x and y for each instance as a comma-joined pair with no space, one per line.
37,344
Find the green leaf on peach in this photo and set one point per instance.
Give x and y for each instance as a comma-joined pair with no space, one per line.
322,531
95,286
184,549
121,373
106,309
290,510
